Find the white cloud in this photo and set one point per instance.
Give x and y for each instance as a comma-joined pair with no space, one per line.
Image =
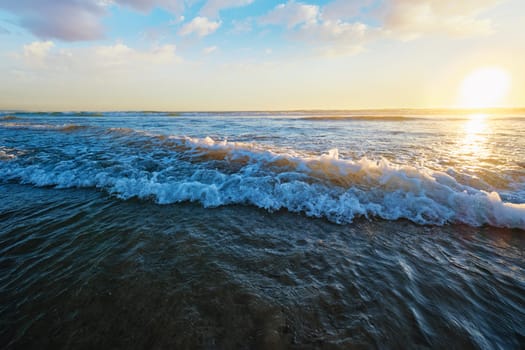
309,24
44,56
404,19
291,14
339,26
409,19
209,50
335,38
334,30
38,49
212,7
122,55
201,26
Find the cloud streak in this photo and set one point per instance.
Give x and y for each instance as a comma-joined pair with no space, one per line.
121,55
45,56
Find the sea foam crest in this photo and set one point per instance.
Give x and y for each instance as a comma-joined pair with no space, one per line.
341,189
223,173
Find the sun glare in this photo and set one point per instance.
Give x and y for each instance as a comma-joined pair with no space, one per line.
485,87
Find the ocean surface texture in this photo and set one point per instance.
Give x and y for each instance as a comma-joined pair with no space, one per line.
306,230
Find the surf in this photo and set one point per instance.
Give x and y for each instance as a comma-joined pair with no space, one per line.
221,172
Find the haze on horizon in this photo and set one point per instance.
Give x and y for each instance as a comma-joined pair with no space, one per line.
261,55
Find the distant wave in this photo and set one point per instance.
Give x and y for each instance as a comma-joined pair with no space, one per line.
393,118
363,114
10,117
170,169
72,127
43,126
78,114
396,118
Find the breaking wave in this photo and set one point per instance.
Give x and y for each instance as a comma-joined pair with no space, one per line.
169,169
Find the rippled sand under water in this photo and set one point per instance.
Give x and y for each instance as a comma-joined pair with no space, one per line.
81,269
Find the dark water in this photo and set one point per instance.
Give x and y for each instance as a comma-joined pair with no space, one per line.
262,230
80,269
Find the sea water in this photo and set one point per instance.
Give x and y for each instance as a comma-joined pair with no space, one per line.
306,229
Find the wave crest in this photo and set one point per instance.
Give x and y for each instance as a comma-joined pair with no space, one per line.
222,173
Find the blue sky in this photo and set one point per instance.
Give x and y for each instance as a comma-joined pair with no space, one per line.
253,54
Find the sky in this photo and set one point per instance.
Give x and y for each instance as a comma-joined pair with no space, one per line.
181,55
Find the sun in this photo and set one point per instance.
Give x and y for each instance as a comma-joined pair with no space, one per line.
484,87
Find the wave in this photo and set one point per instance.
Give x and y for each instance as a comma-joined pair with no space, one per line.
170,169
392,118
7,154
29,126
335,115
10,117
43,126
72,127
400,118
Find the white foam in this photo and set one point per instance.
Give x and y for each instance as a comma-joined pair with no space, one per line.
323,186
43,126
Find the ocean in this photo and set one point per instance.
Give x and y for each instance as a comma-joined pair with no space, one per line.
296,229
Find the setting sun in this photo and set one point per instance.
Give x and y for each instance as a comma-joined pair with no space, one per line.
484,87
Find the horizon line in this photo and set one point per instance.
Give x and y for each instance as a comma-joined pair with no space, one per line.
291,110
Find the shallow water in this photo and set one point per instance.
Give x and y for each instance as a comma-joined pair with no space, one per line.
155,237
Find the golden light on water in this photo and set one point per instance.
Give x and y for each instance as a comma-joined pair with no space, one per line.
473,145
485,87
476,124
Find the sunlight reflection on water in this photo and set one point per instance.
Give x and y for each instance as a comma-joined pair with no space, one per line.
473,146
